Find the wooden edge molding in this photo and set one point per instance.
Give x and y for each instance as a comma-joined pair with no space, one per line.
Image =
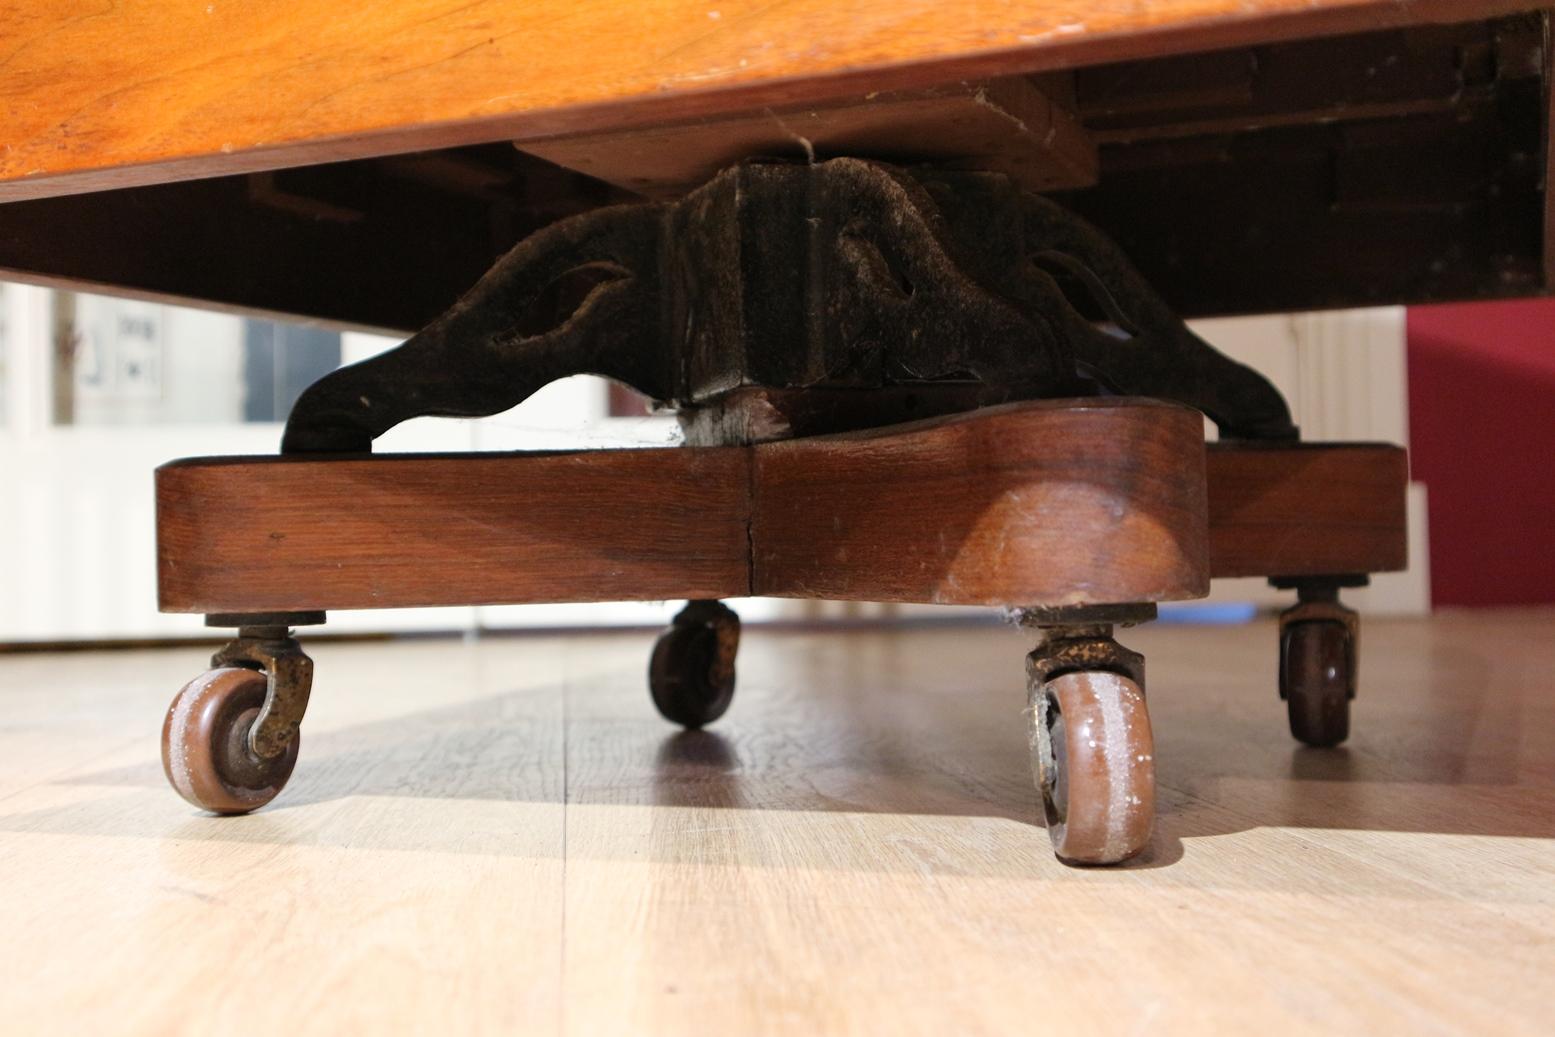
1007,125
1051,503
1307,509
1044,503
278,534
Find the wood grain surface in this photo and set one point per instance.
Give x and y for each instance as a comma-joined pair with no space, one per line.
607,525
1332,167
1044,503
146,91
1049,503
499,836
1307,510
1009,126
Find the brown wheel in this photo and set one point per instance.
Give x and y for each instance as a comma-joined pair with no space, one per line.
1317,673
691,673
205,751
1094,759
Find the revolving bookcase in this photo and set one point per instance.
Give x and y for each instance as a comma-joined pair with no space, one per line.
907,385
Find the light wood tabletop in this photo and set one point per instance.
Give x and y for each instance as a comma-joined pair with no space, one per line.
364,167
147,91
502,836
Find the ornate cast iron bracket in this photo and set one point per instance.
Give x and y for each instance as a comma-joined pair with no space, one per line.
846,274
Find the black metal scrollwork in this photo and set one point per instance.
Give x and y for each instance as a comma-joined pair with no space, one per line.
846,274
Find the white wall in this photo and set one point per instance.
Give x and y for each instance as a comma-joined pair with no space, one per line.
143,364
77,557
5,331
77,515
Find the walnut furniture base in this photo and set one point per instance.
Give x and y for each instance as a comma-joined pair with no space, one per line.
1079,515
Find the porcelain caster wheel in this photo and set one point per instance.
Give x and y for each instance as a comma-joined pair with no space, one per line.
205,743
691,673
1094,759
1317,673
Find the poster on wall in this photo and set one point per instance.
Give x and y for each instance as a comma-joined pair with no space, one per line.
4,350
118,350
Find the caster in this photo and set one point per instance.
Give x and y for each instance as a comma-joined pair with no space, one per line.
1092,751
1094,759
1315,676
230,739
691,673
205,750
1318,642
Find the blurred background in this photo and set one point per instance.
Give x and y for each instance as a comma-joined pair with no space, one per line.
105,389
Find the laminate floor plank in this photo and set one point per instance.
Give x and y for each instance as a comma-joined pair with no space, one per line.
351,909
502,835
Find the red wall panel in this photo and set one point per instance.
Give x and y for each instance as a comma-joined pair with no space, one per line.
1482,439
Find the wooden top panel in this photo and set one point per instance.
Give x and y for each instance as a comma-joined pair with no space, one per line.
146,91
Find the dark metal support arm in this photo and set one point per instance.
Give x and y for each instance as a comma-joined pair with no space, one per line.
579,297
841,275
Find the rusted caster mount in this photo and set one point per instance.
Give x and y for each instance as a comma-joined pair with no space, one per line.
1091,748
691,673
230,740
1319,658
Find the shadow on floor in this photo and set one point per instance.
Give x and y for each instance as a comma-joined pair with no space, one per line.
937,755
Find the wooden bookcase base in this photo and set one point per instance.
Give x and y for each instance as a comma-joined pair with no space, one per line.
1060,502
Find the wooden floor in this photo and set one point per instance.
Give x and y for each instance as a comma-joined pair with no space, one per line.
503,837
